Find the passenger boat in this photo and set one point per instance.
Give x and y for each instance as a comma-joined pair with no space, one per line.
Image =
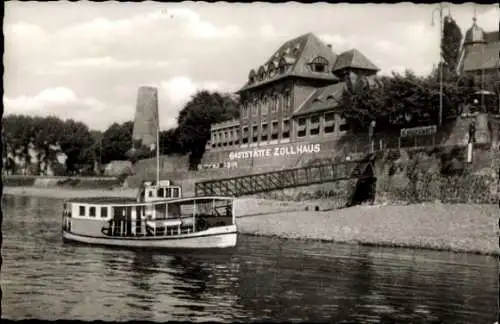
186,223
159,217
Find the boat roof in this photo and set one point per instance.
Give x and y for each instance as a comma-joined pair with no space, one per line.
132,201
103,200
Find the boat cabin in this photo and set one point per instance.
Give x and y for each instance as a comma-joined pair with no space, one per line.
114,217
152,191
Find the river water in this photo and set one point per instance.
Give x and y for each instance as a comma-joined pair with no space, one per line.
263,279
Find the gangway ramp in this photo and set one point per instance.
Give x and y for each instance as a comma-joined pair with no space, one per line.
283,179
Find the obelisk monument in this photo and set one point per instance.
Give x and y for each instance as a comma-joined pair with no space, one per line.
146,118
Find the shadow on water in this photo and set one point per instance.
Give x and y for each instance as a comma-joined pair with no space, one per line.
262,279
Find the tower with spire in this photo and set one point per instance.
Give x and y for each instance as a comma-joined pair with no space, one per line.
479,55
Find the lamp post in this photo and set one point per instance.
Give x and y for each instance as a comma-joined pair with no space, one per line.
440,10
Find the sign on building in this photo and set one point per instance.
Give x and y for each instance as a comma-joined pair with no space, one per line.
419,131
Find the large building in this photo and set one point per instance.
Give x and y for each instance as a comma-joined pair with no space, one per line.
479,55
292,98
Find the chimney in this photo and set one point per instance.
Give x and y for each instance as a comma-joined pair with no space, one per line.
329,46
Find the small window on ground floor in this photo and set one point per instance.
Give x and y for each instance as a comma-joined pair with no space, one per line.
92,211
104,212
329,129
344,127
82,211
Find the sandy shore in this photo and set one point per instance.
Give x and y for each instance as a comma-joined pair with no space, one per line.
459,228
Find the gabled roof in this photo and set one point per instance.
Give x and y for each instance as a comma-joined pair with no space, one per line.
298,53
482,57
325,98
492,37
354,59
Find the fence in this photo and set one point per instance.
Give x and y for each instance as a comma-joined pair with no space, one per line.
363,145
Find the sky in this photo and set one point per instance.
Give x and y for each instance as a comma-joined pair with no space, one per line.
86,60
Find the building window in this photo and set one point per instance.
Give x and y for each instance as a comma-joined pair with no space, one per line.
236,136
265,106
219,139
302,129
251,76
245,135
214,139
274,130
92,211
82,211
104,212
254,133
286,128
288,102
344,127
274,104
264,131
224,139
244,112
329,122
255,108
319,64
314,125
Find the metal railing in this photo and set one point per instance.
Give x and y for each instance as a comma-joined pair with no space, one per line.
276,180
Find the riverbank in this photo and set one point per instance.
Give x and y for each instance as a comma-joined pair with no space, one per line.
469,228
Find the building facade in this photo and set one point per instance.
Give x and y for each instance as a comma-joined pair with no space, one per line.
293,97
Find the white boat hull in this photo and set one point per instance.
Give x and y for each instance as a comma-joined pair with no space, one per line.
218,237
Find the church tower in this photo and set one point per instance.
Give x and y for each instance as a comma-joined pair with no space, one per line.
474,39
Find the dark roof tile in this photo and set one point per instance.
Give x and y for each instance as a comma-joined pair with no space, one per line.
482,57
354,59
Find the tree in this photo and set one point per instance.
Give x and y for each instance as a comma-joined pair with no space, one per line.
450,46
169,142
194,120
401,101
18,133
77,143
48,132
116,142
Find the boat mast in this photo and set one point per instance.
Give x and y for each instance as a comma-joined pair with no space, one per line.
157,152
157,144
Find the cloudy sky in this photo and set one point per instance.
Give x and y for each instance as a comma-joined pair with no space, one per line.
85,60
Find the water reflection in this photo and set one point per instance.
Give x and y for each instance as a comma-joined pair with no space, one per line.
261,280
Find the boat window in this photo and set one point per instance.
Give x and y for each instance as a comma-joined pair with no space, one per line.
150,193
82,210
92,211
160,192
104,212
169,193
175,192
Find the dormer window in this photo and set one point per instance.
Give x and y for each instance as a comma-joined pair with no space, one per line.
319,64
282,65
251,76
262,73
